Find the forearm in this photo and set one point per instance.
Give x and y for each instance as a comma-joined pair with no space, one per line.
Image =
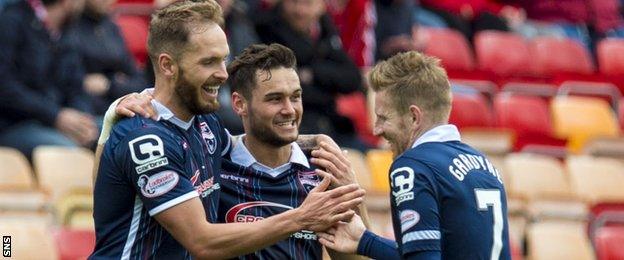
233,239
377,247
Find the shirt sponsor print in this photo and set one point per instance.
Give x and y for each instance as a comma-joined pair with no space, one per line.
237,214
402,181
409,218
157,184
147,152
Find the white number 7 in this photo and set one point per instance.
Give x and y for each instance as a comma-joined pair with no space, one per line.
486,198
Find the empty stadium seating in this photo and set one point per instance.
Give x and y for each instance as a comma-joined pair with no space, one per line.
379,162
134,30
455,53
596,179
610,54
579,119
15,173
608,243
555,55
549,240
541,182
31,238
528,116
470,110
502,53
63,170
74,244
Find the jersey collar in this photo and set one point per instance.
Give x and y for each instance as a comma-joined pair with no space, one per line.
241,155
165,114
442,133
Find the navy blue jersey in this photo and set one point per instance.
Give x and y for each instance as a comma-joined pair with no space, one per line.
248,195
446,196
147,167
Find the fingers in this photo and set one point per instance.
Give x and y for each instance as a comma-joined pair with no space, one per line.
326,175
122,111
326,242
345,216
322,186
346,189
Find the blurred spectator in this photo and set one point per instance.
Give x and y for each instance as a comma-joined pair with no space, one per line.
111,70
355,21
606,18
557,18
325,69
394,27
41,98
471,16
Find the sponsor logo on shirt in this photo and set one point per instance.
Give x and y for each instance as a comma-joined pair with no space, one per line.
147,152
402,184
206,187
234,178
409,218
157,184
208,137
309,179
235,214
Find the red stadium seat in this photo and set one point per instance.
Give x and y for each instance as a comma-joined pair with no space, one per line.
621,114
74,244
454,51
608,242
354,107
610,53
553,55
134,30
502,53
448,45
528,116
471,110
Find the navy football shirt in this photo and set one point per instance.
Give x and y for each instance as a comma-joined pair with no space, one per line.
446,196
147,167
251,191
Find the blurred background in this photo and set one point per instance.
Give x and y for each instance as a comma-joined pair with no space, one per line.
537,85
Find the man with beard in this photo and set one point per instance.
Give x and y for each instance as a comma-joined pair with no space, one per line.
268,172
447,200
42,101
156,191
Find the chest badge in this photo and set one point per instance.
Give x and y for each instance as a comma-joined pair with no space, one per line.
208,137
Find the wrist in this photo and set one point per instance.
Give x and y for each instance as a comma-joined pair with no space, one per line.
292,221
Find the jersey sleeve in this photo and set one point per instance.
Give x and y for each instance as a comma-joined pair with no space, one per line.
153,161
415,209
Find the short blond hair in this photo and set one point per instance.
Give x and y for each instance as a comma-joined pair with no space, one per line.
412,78
171,26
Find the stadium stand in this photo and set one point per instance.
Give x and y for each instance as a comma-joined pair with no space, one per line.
504,54
470,110
596,180
18,188
134,30
379,162
21,230
608,243
540,181
74,244
579,119
558,240
555,55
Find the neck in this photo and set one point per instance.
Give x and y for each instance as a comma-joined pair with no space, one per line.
420,132
55,17
164,92
266,154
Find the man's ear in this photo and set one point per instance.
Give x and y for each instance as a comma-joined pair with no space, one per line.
167,65
239,104
417,115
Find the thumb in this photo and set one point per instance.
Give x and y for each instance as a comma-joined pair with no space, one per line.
322,186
